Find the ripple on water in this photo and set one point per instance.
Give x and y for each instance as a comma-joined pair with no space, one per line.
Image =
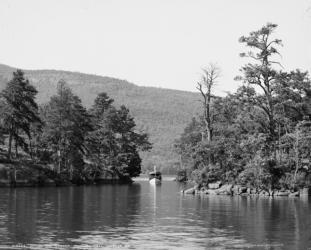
141,216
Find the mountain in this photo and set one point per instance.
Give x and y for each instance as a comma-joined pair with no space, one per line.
162,113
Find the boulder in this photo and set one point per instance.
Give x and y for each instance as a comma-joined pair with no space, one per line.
211,192
205,191
253,191
243,190
304,191
236,189
294,194
282,193
225,189
263,193
49,182
214,185
189,191
244,194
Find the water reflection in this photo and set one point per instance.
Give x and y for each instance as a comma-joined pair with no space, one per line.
145,216
32,215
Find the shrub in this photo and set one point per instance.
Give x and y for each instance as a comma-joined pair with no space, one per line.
208,174
257,174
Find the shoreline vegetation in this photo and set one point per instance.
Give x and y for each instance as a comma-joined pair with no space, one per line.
256,141
30,174
61,142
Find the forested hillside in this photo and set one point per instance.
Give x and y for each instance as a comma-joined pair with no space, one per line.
162,113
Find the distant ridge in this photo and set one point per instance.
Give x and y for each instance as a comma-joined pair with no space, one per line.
163,113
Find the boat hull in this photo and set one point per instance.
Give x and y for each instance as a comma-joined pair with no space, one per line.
155,181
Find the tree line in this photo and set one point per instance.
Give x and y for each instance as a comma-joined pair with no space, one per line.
260,135
78,143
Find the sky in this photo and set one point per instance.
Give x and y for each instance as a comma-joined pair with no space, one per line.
161,43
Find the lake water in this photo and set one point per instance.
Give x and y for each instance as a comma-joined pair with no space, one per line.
141,216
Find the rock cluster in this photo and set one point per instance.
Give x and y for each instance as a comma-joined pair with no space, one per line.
230,189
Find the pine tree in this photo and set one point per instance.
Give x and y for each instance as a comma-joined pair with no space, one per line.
114,143
261,73
19,110
67,124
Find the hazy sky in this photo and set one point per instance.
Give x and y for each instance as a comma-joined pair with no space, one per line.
151,43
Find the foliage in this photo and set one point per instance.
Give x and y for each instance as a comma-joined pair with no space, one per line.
66,125
114,140
78,144
261,134
18,110
182,175
162,113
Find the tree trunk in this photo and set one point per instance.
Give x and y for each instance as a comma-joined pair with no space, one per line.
10,145
205,87
30,147
59,161
70,172
208,123
279,145
16,148
296,156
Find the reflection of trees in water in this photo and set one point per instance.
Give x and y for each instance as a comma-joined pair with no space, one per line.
21,224
52,215
257,220
66,215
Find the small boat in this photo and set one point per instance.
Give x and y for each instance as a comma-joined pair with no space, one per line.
155,177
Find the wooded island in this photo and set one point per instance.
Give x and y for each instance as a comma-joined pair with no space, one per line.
258,138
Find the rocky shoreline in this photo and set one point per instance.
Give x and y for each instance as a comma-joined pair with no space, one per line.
232,190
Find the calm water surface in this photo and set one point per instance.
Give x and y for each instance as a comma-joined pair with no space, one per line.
141,216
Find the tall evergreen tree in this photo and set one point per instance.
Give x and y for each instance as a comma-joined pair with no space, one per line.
67,124
20,109
114,143
261,74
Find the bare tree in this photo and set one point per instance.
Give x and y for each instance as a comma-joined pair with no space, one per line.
205,86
